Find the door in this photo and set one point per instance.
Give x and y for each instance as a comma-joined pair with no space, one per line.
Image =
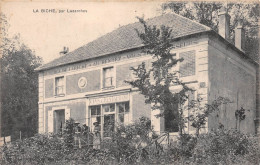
59,121
109,124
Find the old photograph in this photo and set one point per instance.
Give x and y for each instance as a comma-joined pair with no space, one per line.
137,82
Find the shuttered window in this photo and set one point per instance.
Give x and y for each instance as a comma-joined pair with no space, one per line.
187,66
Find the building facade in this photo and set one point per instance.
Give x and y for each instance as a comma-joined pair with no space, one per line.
88,84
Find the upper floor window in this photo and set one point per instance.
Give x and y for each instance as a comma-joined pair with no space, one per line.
108,77
187,66
59,86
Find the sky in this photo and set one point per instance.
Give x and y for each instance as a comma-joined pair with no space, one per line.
48,33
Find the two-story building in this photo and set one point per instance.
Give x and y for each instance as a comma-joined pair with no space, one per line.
87,84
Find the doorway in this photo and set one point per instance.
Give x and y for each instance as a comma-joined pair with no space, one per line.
109,124
59,121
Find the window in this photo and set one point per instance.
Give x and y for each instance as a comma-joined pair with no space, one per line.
59,86
187,66
95,115
171,119
108,77
108,116
108,108
109,119
123,112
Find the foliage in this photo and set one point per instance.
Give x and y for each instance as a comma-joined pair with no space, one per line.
137,144
155,82
226,147
207,13
39,149
19,83
69,132
51,149
126,140
200,112
240,115
182,148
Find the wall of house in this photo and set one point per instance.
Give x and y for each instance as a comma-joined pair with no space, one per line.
233,77
93,82
41,105
77,110
75,98
139,108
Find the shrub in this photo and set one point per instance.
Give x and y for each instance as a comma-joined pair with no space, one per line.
68,134
136,144
40,149
226,147
127,141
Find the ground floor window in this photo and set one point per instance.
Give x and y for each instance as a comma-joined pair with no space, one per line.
108,116
170,118
95,114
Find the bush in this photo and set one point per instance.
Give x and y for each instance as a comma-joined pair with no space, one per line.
226,147
183,147
43,149
136,144
39,149
127,140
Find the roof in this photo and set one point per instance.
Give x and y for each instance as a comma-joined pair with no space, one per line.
125,38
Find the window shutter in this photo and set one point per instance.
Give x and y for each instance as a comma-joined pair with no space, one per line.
187,66
50,121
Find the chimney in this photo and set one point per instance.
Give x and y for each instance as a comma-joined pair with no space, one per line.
224,21
240,36
65,50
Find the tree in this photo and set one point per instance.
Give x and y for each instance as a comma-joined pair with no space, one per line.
19,87
207,13
155,83
200,112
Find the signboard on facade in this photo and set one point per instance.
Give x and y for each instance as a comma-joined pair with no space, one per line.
183,44
108,99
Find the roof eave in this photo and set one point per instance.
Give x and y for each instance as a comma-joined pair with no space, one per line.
212,32
39,69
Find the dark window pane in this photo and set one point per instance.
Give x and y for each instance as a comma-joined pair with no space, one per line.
121,108
99,119
127,107
121,118
93,111
171,124
112,107
98,111
106,108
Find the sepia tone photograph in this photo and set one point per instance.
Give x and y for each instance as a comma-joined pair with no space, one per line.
134,82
